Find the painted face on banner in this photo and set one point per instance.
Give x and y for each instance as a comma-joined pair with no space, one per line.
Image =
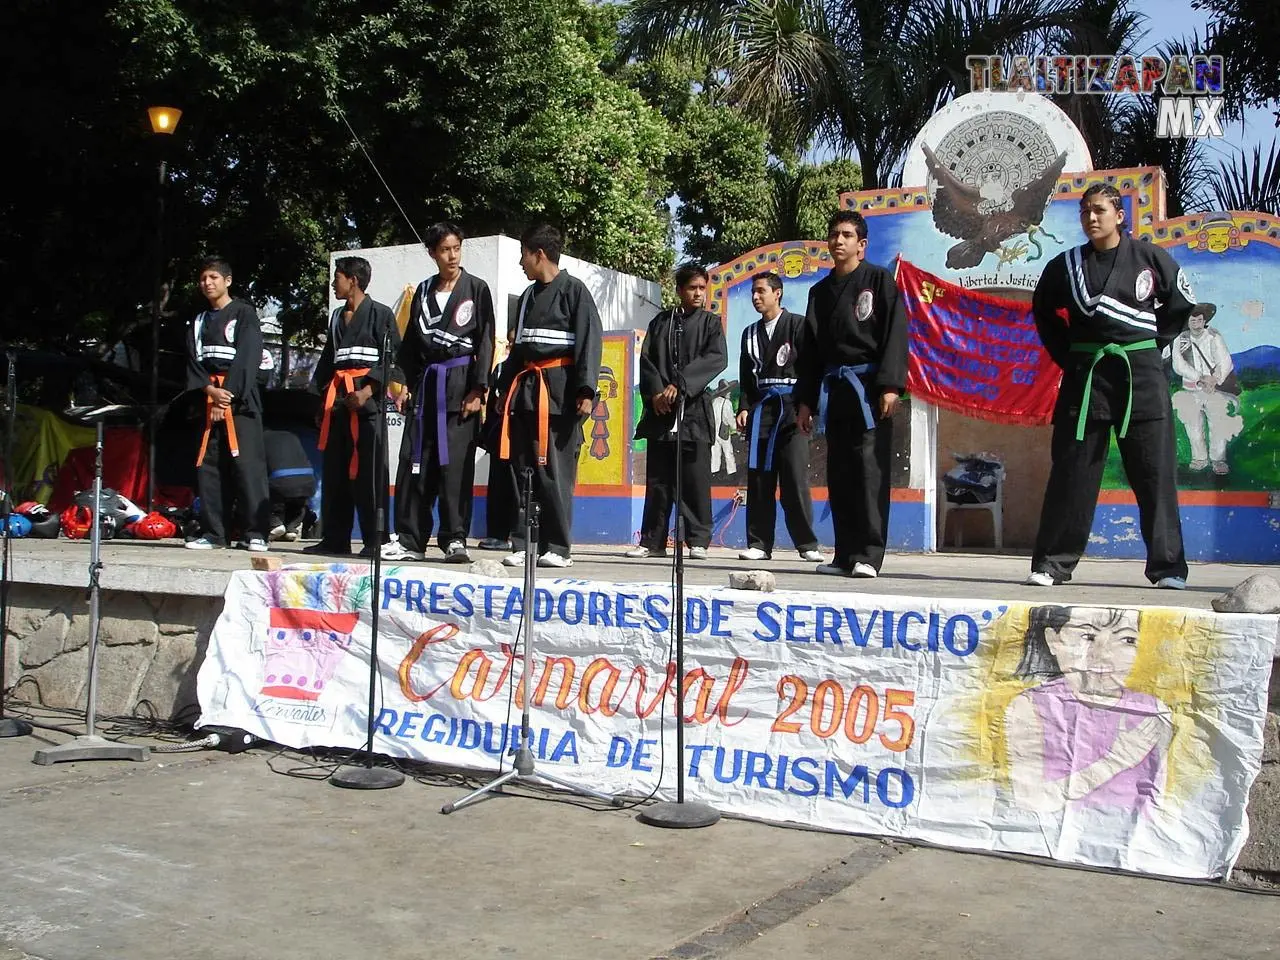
1143,286
1096,648
865,302
462,316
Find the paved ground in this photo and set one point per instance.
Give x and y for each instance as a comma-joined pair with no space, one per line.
216,856
167,567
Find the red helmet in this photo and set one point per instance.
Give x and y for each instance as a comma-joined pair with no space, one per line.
76,522
153,527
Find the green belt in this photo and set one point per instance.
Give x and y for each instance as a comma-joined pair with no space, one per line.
1100,350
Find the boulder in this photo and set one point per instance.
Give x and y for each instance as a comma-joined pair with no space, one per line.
1258,594
761,580
488,568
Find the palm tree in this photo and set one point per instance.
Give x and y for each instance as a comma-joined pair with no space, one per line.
1248,183
862,75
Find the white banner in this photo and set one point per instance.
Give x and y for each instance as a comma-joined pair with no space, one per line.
1115,737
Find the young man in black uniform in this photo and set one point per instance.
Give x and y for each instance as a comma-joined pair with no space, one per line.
1125,301
446,356
554,369
853,367
350,375
224,351
702,357
777,453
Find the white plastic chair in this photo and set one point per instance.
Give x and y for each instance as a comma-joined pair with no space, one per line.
995,507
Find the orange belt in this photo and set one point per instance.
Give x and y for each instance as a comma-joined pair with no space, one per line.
540,367
348,377
217,379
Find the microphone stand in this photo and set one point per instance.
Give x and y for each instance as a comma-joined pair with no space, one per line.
370,777
682,814
523,766
9,726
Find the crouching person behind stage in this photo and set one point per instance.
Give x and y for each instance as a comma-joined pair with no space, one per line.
445,356
224,351
350,375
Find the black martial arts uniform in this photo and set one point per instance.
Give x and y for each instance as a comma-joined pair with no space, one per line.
445,355
703,356
224,348
1123,306
352,359
555,362
777,452
501,500
290,480
855,348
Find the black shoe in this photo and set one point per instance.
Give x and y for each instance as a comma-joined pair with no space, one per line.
326,550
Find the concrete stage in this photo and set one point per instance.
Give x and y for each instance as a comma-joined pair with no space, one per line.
167,568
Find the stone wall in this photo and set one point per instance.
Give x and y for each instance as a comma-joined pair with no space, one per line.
150,648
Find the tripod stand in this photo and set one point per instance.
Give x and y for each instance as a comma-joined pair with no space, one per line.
523,767
680,814
91,746
9,726
370,777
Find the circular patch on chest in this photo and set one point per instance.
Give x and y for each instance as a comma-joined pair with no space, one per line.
784,355
864,305
1143,286
462,316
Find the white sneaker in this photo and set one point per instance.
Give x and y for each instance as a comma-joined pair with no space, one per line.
831,570
1037,578
550,559
392,550
277,532
864,570
697,553
754,553
513,559
257,545
640,553
456,552
203,543
1171,583
813,556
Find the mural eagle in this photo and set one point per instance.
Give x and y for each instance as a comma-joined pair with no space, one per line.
961,210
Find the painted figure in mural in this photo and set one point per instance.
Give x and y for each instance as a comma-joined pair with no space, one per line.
555,366
224,350
447,357
777,452
851,372
1104,310
1208,403
702,357
1081,736
722,419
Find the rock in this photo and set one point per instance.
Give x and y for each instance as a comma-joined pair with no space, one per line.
1271,739
121,670
1258,594
1262,851
761,580
127,619
45,641
488,568
60,681
170,683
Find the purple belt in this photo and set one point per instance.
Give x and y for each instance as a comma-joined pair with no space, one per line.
440,370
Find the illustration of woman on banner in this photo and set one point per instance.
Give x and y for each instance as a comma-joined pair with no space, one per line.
1082,737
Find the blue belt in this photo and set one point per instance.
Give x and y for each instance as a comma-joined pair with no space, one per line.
753,456
440,372
850,375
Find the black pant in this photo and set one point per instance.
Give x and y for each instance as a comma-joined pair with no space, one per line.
1071,497
342,499
223,480
553,482
660,492
790,474
502,501
858,483
451,485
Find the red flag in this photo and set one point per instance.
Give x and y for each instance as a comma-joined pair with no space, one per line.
974,353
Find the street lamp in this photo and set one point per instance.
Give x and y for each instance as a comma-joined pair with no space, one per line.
164,121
